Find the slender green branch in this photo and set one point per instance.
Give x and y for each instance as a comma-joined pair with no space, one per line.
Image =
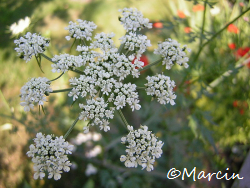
203,23
76,71
84,42
123,118
140,87
70,129
121,48
46,57
150,65
72,45
61,90
57,77
126,53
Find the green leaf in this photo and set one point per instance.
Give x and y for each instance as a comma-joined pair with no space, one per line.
90,184
200,131
38,60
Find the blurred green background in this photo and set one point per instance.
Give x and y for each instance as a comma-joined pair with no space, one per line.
208,128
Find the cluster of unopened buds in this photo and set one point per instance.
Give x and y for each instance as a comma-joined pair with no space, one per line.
101,82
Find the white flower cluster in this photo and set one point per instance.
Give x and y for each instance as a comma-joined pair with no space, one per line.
87,56
101,76
29,45
103,41
50,155
133,20
142,148
125,93
64,62
96,111
161,87
172,53
33,92
135,43
82,30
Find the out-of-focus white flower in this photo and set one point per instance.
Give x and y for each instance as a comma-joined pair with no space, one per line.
94,152
91,169
20,26
82,138
49,155
215,10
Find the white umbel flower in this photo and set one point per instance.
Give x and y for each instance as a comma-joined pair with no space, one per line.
171,52
64,62
33,92
103,41
82,30
30,44
142,148
137,44
161,87
49,154
133,20
97,111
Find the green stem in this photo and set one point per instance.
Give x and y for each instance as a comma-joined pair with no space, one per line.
84,42
123,118
140,87
61,90
76,71
150,65
126,53
203,23
57,77
121,48
72,45
70,129
46,57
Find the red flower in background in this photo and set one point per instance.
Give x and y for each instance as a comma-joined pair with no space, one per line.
181,14
232,29
242,111
241,4
198,7
235,103
232,46
157,25
241,106
144,59
242,52
187,29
